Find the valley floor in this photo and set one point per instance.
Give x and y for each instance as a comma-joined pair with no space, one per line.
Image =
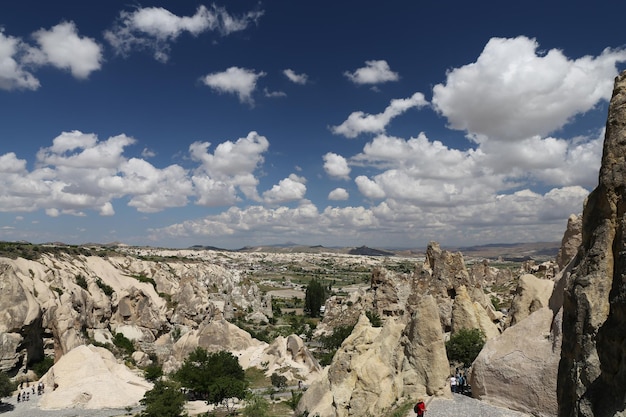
460,405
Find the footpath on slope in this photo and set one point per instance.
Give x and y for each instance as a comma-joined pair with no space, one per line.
11,408
462,405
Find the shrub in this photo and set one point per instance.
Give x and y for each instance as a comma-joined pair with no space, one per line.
374,318
279,381
6,385
465,345
81,281
256,406
153,372
123,343
41,367
106,289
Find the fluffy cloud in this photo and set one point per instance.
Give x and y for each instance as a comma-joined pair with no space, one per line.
374,72
232,165
13,74
79,173
336,166
514,92
359,122
63,48
292,188
235,80
296,78
338,194
155,28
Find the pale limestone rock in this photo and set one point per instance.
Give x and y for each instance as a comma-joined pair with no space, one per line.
377,367
467,314
572,238
218,334
141,358
532,293
518,369
287,356
89,377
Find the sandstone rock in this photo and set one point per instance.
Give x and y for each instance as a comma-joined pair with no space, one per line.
287,356
531,294
592,376
218,334
518,369
377,367
89,377
571,240
467,314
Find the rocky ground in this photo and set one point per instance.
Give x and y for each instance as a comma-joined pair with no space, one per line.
460,405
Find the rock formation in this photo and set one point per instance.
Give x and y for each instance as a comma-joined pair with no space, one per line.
532,293
377,367
60,301
592,375
90,377
571,240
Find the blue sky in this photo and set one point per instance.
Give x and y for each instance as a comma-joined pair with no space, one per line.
241,123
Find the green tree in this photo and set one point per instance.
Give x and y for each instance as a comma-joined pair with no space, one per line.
6,386
214,377
464,345
314,298
279,381
153,372
165,399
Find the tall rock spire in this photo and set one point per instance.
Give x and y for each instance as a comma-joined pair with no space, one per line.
592,370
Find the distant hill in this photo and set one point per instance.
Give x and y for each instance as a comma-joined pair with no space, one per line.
365,251
512,251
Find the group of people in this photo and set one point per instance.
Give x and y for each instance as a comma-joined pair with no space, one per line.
458,383
24,392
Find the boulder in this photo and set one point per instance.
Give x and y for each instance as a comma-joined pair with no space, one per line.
518,369
532,293
89,377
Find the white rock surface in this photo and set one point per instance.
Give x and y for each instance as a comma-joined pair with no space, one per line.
89,377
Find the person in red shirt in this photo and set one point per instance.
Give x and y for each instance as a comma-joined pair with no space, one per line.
420,408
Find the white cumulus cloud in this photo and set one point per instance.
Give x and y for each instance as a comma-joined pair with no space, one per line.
292,188
359,122
336,166
374,72
514,92
235,80
338,194
63,48
13,73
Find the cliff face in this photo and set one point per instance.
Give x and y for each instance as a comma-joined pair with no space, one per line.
592,370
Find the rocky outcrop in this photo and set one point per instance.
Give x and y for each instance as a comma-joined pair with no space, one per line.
592,375
571,240
90,377
59,301
377,367
467,314
518,369
532,294
442,275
